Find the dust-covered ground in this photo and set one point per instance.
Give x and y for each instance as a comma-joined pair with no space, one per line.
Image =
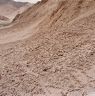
49,50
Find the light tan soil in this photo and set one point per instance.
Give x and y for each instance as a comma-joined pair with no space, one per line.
50,50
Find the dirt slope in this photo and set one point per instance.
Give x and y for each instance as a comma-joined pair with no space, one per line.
50,50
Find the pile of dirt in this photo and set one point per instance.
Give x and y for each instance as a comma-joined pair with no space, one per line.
49,50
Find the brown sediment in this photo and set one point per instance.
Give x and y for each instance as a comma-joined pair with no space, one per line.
50,50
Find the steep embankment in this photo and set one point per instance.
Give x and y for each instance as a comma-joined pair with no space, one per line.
56,57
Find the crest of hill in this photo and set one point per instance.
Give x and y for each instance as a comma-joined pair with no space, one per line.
53,11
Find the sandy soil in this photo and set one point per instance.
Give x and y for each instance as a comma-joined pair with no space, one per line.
50,51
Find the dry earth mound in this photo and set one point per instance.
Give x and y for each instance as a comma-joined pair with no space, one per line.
50,50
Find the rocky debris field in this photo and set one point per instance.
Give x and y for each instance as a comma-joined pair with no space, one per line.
49,50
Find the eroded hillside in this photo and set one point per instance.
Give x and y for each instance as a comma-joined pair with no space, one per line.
49,50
